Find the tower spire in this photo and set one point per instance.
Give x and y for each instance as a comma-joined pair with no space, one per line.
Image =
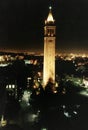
50,18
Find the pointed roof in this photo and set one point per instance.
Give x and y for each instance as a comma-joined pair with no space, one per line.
50,18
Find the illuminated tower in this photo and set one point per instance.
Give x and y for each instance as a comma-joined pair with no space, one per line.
49,49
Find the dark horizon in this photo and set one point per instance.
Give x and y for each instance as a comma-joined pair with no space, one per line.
22,22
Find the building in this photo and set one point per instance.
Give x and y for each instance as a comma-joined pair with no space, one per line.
49,49
11,89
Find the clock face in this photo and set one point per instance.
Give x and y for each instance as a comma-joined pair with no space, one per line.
50,40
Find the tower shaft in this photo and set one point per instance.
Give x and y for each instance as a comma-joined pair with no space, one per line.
49,59
49,50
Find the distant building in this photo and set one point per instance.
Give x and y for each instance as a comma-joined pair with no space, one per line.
11,90
49,49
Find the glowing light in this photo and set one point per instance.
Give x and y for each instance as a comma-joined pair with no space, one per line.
6,86
34,87
3,122
34,117
13,86
84,93
44,129
67,114
64,106
26,96
25,99
50,7
50,18
9,86
85,82
37,93
39,74
75,112
56,85
35,62
29,78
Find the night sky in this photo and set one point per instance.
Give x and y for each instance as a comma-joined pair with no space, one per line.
22,22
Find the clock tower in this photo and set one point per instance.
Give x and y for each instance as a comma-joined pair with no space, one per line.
49,49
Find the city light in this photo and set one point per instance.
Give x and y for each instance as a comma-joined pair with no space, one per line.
26,99
3,122
44,129
67,114
43,88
